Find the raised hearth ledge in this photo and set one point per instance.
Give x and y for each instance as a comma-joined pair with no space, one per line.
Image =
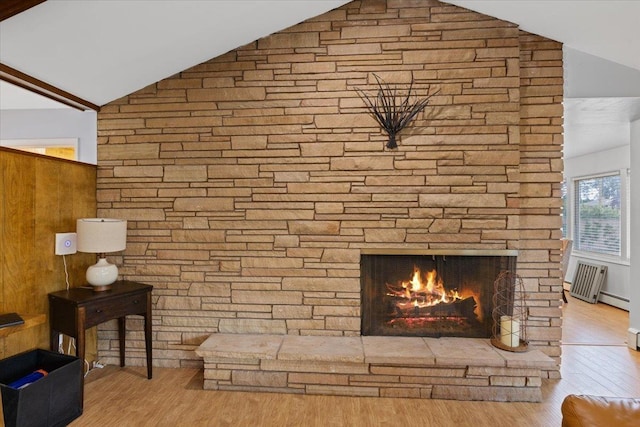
414,367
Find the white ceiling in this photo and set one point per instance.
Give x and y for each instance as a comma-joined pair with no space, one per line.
601,110
101,50
15,98
597,124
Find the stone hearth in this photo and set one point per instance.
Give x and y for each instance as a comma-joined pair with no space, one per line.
413,367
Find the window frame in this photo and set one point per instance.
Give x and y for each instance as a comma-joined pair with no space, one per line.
572,231
40,145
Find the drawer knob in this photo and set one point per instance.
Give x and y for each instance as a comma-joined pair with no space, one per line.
98,311
135,301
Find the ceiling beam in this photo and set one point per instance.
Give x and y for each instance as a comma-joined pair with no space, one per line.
9,8
32,84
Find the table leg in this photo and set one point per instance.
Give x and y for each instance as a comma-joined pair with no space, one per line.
54,337
81,316
147,336
80,349
122,330
80,336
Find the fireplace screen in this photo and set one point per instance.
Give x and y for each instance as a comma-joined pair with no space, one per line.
429,295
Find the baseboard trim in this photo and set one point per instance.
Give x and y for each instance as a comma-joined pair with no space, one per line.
633,340
614,301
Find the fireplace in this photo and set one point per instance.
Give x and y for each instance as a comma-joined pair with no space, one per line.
430,294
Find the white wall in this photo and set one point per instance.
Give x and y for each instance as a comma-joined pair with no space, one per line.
634,311
53,123
617,288
588,76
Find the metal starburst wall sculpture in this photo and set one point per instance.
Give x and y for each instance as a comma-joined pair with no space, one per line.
392,109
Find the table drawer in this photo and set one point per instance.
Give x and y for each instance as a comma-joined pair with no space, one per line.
101,311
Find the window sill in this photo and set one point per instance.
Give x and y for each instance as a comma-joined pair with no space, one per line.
600,257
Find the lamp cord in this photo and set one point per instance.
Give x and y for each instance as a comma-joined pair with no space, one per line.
72,341
66,272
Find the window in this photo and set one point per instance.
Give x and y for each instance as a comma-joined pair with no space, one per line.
64,148
565,210
597,215
627,200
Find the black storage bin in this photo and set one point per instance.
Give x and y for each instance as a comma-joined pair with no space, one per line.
53,400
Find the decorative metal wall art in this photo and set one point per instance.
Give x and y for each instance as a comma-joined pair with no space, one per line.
393,108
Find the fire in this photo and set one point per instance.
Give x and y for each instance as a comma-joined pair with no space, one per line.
424,291
424,299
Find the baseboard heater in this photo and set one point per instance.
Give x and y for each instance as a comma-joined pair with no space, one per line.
587,281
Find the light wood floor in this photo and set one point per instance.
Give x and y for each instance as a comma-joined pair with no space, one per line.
595,361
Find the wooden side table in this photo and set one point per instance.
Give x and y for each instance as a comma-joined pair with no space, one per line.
73,311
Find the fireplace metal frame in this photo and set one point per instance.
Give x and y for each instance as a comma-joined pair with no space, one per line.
438,252
370,322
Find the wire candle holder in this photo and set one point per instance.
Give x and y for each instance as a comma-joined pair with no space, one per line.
509,313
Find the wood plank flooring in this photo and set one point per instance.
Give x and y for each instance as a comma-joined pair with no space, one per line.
595,361
593,324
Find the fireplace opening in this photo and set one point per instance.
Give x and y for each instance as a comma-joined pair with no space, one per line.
430,295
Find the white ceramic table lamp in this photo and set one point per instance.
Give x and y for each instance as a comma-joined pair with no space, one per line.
101,236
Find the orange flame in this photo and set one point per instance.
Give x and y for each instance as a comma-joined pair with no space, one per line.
428,290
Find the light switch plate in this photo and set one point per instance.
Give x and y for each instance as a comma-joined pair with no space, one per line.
65,243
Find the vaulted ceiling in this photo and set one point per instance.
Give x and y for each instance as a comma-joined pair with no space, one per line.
101,50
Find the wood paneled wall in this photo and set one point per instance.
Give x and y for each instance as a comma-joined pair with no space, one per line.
39,196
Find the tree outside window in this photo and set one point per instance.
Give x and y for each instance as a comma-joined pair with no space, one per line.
598,215
565,210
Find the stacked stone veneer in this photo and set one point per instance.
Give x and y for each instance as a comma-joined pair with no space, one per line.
427,368
252,182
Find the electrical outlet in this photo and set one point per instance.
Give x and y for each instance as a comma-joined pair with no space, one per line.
66,243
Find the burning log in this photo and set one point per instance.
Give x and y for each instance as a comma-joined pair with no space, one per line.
458,308
425,297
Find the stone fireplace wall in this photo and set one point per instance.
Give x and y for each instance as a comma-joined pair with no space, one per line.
253,181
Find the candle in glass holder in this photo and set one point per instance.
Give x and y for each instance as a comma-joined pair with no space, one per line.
509,331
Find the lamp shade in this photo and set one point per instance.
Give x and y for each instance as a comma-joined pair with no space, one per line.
101,235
